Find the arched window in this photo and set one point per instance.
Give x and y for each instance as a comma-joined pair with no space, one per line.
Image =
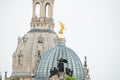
40,39
37,10
20,58
39,54
47,10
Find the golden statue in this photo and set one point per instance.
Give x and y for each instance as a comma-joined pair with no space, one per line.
61,30
62,27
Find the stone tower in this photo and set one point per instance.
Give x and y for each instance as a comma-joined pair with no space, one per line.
37,41
42,14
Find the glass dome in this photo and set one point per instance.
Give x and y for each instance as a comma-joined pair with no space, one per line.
50,60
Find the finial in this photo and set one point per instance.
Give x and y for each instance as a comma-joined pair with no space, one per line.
85,58
61,30
85,62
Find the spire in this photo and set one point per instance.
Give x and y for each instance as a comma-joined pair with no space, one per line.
86,69
85,62
42,15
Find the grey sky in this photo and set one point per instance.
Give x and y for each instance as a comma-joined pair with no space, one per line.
93,30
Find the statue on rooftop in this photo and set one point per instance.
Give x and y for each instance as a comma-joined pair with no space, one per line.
61,64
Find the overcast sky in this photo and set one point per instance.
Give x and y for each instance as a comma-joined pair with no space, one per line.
93,30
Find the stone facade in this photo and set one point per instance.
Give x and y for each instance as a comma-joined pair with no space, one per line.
30,48
59,76
36,42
